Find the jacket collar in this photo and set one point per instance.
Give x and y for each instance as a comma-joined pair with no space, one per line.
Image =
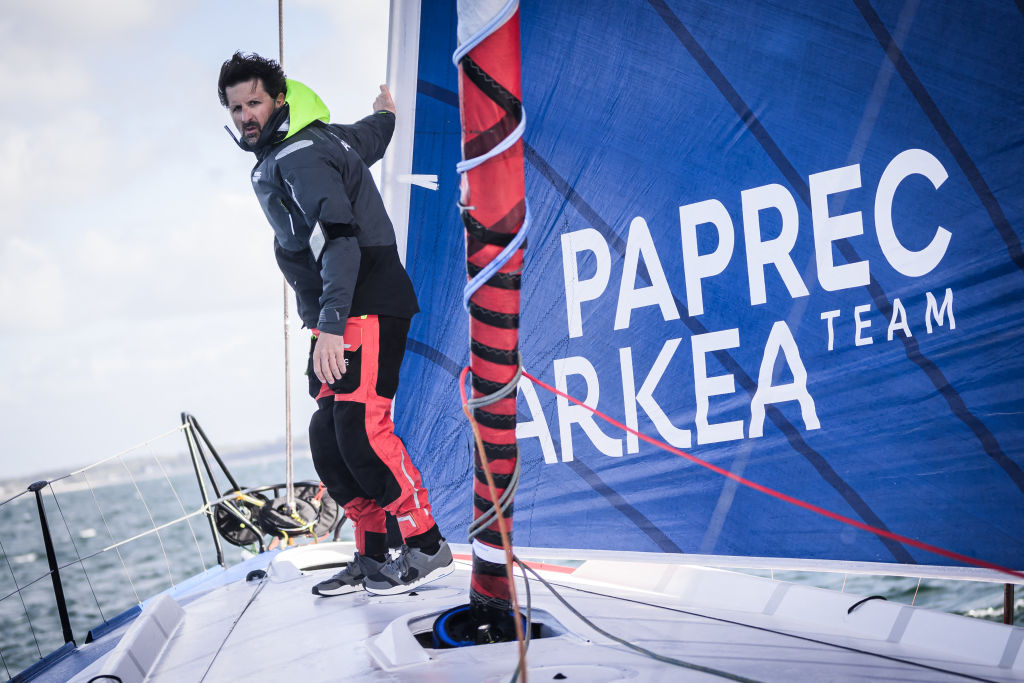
273,132
302,107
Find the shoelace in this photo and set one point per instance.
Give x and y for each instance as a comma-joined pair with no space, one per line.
400,564
354,567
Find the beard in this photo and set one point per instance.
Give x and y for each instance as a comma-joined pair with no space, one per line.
251,134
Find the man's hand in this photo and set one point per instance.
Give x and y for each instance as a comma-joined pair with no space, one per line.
329,357
384,101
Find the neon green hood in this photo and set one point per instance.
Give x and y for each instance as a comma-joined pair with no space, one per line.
304,107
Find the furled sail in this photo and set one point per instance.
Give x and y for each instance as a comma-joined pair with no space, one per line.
782,237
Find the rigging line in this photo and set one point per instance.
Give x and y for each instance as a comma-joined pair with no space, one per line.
529,614
213,660
115,547
3,660
815,459
149,513
21,597
124,452
15,496
497,593
181,506
632,646
280,32
118,544
579,468
289,462
786,634
73,563
499,505
203,509
502,530
560,185
783,496
74,545
44,575
154,530
661,540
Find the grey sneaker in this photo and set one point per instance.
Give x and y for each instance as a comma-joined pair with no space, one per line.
411,568
350,578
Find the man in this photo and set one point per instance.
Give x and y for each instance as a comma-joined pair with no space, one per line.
336,247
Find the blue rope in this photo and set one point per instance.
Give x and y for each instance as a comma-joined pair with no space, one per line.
490,27
494,266
467,164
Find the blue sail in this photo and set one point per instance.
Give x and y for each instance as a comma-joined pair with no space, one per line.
783,238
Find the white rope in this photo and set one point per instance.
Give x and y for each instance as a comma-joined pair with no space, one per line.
74,545
202,510
149,513
181,506
511,139
503,15
106,525
124,452
21,597
481,278
118,544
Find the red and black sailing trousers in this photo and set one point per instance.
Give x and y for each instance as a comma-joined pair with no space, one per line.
362,462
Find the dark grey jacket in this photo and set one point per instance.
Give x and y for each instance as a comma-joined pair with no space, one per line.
333,240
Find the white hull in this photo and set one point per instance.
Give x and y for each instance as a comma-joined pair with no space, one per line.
225,629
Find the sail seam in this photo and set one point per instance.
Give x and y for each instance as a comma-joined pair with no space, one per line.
988,441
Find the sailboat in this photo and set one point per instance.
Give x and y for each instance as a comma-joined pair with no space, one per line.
771,311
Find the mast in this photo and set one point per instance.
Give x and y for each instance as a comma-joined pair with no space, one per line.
289,467
493,209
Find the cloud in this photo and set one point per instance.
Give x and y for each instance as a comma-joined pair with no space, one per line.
41,75
94,18
195,254
49,169
31,288
137,275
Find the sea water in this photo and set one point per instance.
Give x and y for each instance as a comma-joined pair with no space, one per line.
89,512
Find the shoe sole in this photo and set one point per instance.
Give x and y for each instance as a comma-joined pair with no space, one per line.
438,573
334,592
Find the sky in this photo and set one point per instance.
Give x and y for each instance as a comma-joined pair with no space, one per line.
137,276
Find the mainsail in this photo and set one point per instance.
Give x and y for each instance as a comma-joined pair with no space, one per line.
783,238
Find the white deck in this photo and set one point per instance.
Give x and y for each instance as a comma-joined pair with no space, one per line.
276,630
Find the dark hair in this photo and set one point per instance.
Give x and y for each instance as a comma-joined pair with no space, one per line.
242,68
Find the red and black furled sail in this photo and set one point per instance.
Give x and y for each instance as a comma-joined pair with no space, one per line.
493,209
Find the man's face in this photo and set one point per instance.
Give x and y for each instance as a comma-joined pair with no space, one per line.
250,106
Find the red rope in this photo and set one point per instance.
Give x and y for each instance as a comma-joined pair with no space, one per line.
967,559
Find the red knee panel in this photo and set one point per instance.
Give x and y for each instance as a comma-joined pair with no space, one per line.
366,517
